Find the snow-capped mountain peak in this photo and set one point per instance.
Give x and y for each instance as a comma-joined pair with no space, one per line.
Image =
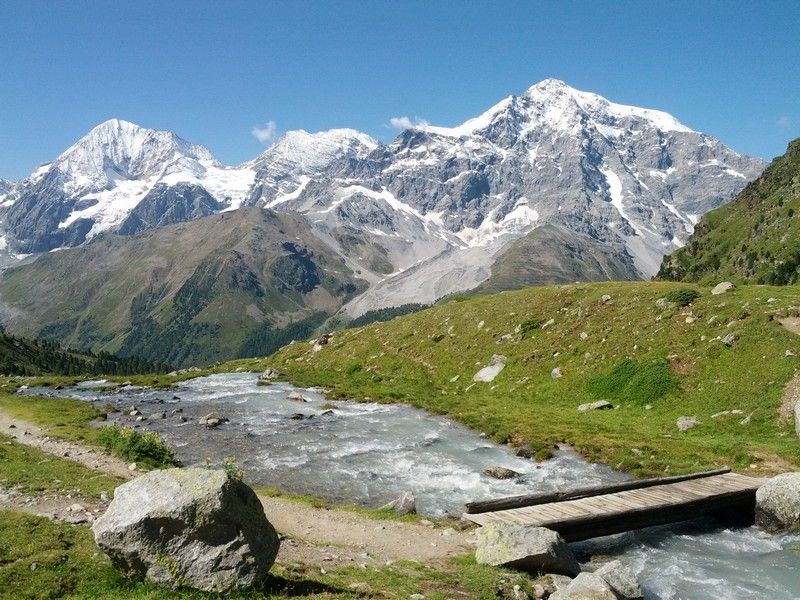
120,150
556,94
308,152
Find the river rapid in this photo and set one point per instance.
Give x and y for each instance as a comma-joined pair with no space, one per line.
367,454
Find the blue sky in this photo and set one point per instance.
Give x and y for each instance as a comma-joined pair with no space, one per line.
211,71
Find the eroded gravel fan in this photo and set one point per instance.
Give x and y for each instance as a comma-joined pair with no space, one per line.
188,528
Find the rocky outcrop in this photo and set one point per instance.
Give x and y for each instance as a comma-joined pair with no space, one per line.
532,549
778,503
621,579
188,528
586,586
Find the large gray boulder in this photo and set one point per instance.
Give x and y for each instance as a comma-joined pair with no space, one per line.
621,579
778,503
532,549
196,528
586,586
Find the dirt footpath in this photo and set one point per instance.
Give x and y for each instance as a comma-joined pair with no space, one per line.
24,432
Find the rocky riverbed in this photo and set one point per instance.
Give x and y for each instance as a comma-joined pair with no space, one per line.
368,454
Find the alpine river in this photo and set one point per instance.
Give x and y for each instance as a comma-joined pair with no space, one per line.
367,454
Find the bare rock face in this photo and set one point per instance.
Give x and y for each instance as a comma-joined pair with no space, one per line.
195,528
533,549
778,503
586,586
621,580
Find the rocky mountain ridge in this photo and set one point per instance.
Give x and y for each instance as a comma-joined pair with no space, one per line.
424,216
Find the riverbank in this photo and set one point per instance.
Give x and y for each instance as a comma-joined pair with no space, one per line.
723,359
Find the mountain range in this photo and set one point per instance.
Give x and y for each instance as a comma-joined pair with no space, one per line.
549,186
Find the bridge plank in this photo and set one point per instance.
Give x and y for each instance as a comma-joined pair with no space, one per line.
592,515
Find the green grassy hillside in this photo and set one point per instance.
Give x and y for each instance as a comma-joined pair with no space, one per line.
655,360
754,238
234,284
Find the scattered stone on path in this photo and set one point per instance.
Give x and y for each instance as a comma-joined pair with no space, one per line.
599,405
778,503
501,472
686,423
722,288
621,580
586,586
488,373
195,528
532,549
406,504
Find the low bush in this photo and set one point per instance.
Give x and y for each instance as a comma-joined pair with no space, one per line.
630,381
146,449
683,296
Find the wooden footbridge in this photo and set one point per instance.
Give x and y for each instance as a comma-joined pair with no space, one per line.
595,512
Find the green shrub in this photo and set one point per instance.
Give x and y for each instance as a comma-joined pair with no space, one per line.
145,449
630,381
683,296
529,325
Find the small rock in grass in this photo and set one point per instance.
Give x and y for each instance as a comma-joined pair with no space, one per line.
556,373
686,423
722,288
599,405
730,339
605,298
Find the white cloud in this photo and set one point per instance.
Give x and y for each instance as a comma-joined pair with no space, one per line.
407,123
266,133
784,122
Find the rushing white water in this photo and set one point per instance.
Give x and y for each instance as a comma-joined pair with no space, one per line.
369,453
